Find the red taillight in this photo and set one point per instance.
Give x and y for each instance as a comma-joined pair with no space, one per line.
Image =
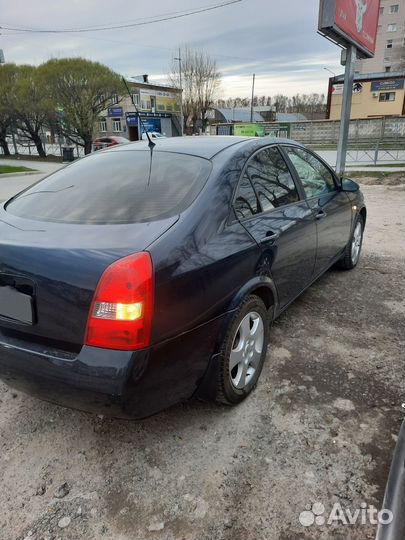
121,312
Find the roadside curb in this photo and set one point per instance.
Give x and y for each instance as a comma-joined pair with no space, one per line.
22,173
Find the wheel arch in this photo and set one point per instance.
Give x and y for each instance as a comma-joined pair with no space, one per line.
261,286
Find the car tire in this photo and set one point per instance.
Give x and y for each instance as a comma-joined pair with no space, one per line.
352,252
245,343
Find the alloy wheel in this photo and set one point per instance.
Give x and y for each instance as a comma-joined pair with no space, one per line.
356,242
246,350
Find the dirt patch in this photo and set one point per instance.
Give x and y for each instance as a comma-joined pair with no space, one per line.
383,179
319,428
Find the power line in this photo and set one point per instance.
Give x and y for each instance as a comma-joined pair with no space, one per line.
139,22
142,44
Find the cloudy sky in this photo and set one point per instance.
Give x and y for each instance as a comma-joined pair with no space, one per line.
276,39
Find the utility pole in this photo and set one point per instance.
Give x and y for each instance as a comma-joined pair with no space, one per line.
181,95
253,95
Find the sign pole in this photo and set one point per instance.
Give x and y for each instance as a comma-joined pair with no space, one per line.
346,108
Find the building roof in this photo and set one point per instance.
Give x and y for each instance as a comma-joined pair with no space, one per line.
152,85
370,76
240,114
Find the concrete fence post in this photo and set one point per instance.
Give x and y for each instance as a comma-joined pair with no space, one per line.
376,153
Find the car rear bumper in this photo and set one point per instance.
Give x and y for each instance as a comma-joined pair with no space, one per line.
115,383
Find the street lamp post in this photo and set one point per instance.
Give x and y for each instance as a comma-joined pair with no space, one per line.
330,71
181,95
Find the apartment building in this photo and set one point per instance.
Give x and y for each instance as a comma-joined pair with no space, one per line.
390,46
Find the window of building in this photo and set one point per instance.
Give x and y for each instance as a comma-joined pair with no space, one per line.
381,11
114,99
103,125
392,27
389,43
387,68
316,178
379,28
117,125
387,96
145,104
135,98
387,60
394,8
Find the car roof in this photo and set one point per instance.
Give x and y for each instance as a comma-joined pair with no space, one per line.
202,146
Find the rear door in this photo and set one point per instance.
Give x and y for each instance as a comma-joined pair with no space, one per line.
273,210
330,206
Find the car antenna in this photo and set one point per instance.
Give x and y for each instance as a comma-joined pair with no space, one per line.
151,144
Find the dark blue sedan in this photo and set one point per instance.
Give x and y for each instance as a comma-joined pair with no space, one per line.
131,280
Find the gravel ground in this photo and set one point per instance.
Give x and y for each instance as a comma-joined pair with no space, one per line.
319,428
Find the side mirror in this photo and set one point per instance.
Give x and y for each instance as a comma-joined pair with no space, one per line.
349,185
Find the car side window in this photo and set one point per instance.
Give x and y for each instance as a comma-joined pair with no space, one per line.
271,179
246,203
315,177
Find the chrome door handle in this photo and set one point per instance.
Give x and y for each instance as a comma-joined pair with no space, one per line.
270,237
320,215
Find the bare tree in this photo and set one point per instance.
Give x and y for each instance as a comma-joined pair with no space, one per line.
313,106
200,82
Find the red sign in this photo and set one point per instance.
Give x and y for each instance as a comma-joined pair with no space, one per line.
358,19
350,22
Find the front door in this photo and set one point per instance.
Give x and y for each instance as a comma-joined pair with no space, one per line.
268,205
330,206
133,133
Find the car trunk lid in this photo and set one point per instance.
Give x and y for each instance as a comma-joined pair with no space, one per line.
49,272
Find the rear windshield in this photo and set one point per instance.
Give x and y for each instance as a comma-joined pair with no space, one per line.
115,187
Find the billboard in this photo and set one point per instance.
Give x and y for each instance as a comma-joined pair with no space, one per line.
151,124
381,86
248,130
350,22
